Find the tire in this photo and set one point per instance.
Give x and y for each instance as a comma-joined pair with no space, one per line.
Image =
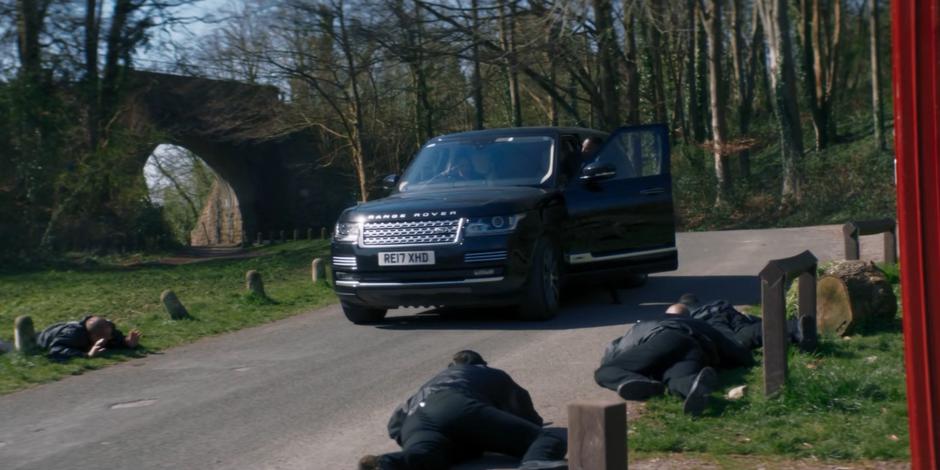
363,315
543,288
634,280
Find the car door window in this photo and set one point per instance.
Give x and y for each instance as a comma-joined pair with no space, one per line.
635,152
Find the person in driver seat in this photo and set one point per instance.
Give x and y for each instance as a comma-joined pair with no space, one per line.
463,411
461,168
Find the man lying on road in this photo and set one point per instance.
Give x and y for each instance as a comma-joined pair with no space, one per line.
86,338
677,353
465,410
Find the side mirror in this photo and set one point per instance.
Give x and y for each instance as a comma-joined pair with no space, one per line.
597,171
389,181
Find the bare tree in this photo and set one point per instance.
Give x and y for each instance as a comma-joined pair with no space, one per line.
745,60
476,79
711,19
776,21
877,108
821,30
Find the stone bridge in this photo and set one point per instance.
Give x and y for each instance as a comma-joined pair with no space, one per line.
270,176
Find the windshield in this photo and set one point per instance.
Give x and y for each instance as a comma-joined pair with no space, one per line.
495,161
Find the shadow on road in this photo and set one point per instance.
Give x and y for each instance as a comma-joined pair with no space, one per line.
589,307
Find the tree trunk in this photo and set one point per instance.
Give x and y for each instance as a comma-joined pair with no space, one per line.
654,55
693,132
700,91
776,21
632,72
877,110
745,58
852,295
711,19
424,115
476,78
507,23
608,110
30,20
92,93
357,148
820,60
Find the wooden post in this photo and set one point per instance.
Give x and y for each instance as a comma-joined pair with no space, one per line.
24,334
891,248
254,284
774,331
774,279
597,435
318,270
852,230
173,306
807,301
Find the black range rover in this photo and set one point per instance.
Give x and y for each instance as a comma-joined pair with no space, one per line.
504,216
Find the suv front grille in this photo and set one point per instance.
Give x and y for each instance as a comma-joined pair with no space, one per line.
425,232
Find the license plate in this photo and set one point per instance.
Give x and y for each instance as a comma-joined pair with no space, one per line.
406,258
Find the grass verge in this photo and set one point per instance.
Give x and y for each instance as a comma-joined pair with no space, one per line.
212,291
844,402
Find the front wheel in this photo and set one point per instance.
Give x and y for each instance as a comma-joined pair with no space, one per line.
543,288
634,280
361,315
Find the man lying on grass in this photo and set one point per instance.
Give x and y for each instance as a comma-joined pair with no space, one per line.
681,352
86,338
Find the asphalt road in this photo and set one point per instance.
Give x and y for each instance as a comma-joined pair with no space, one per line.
315,392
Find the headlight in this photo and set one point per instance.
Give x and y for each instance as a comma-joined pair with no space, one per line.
495,225
346,232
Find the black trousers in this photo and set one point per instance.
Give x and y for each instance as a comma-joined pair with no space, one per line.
671,356
452,427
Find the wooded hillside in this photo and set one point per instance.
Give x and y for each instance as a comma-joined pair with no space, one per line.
777,109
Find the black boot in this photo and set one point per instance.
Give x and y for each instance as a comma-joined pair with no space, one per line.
704,383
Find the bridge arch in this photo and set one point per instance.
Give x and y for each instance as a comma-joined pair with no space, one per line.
235,128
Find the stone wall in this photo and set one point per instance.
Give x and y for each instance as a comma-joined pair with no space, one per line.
220,223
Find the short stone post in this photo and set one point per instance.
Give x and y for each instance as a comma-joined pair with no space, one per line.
24,334
271,236
260,238
323,233
597,435
309,234
318,270
281,236
173,306
296,234
245,240
253,283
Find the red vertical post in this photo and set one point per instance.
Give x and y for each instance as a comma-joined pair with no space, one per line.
915,26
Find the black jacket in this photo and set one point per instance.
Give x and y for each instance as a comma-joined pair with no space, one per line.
721,315
479,382
721,350
70,339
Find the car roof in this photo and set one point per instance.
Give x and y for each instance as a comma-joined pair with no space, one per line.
520,131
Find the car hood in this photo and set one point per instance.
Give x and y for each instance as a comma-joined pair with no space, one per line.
450,203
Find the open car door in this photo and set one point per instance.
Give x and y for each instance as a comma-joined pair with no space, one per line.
620,208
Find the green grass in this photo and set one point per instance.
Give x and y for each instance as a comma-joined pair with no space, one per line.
844,402
212,291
